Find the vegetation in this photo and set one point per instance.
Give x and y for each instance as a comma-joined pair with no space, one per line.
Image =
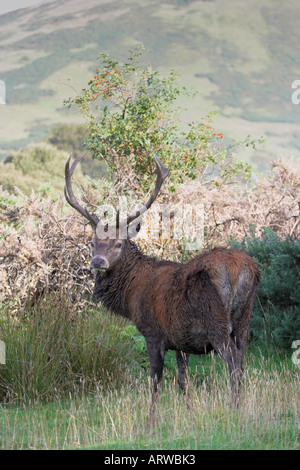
38,167
130,113
74,375
55,349
207,43
70,138
116,417
276,317
77,378
67,137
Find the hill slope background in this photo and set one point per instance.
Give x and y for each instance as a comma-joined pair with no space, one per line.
242,57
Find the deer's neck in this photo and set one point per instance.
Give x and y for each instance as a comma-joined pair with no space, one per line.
113,290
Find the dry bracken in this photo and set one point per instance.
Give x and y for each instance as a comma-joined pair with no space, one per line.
45,245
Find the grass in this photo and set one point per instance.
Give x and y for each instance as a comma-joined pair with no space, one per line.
52,351
117,418
80,380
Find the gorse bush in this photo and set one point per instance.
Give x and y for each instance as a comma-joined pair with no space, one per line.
276,314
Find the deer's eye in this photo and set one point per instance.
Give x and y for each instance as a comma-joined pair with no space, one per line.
118,245
92,244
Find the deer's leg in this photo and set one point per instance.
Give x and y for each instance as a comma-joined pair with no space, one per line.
241,318
156,353
241,323
229,351
233,356
182,364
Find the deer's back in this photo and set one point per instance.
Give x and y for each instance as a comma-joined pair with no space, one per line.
234,274
184,302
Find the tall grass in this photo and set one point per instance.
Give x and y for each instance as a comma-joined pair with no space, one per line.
53,350
70,381
117,418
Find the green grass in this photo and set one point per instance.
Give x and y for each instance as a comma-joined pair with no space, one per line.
79,379
117,418
53,350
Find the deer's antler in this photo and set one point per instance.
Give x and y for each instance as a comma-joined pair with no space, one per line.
69,194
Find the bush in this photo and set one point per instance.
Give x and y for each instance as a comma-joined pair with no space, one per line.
37,167
131,112
276,314
70,137
43,248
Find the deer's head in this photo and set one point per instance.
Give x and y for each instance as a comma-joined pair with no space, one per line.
107,250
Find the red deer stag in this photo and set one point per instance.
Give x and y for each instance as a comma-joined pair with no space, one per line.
192,308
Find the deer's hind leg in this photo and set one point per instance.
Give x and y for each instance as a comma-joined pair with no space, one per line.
182,365
228,350
233,356
241,317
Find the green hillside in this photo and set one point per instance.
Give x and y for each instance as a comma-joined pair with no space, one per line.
242,57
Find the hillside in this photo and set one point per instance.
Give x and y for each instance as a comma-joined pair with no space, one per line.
242,57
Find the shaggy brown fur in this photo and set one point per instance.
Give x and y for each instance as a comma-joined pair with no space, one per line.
196,307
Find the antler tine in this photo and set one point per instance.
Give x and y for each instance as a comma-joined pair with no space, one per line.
69,194
162,173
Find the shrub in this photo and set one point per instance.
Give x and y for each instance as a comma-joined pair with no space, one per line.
70,137
130,111
34,167
273,202
276,315
44,244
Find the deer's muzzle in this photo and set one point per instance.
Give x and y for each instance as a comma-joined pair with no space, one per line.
99,264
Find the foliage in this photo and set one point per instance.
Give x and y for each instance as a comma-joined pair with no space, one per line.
138,344
274,202
42,248
54,349
130,113
67,137
44,244
38,166
276,316
70,137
